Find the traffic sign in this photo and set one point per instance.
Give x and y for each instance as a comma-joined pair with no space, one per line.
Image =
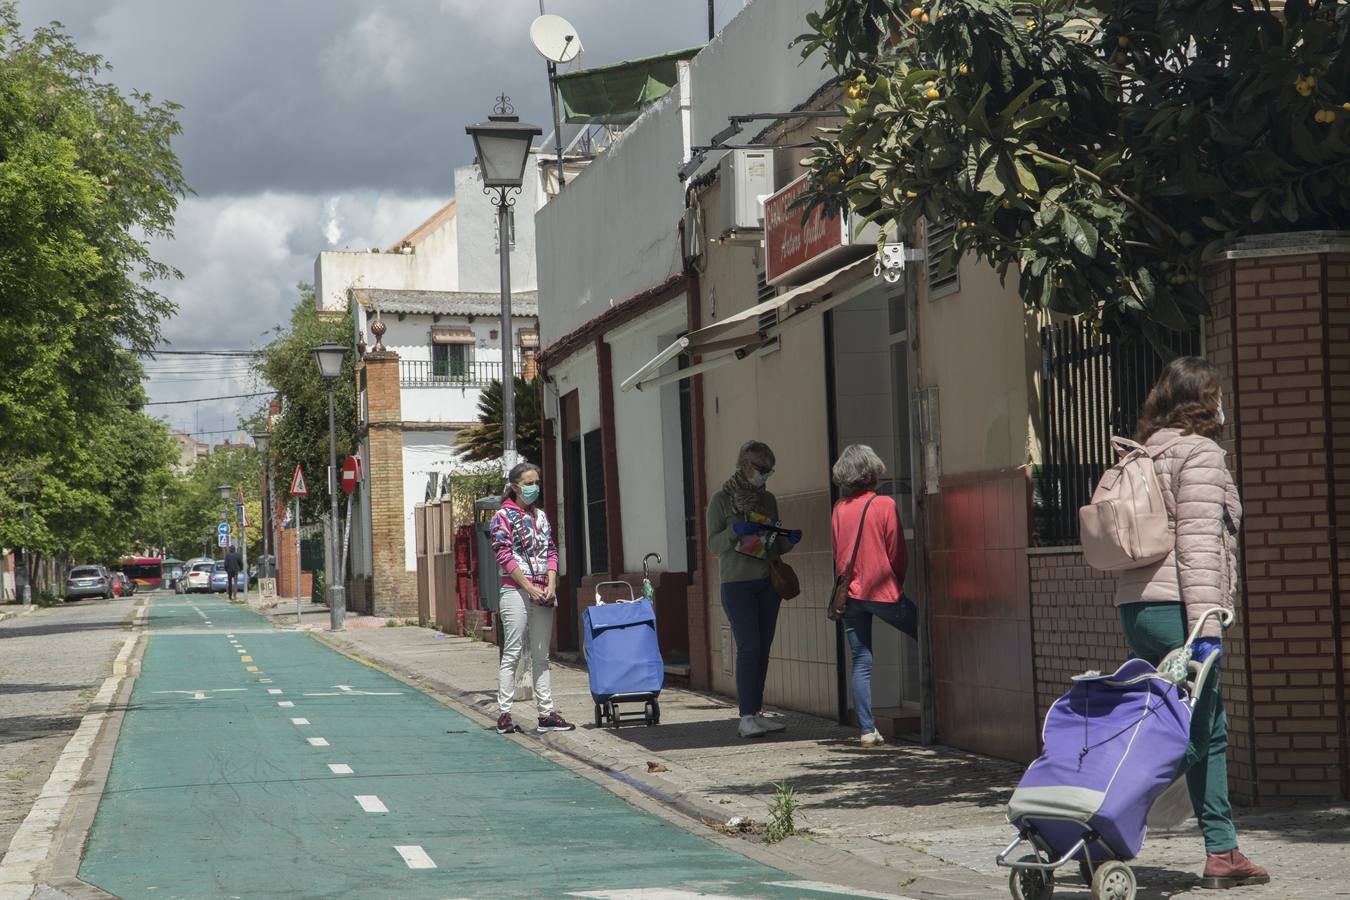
223,530
351,474
241,515
298,488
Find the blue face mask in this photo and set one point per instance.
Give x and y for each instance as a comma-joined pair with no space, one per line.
529,493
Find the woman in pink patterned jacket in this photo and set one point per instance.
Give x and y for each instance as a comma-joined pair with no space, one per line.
528,558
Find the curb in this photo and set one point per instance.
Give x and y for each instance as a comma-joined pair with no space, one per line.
22,611
42,833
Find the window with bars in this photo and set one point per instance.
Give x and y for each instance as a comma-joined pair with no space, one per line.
449,360
597,533
942,278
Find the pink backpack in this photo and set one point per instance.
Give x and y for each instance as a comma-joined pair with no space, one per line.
1126,525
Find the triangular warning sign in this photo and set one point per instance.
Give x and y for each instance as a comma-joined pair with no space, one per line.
298,488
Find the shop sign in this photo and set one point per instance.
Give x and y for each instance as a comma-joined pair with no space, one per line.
794,249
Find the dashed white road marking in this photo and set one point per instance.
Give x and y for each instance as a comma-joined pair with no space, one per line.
340,768
285,704
203,694
275,691
371,803
264,681
299,721
346,690
415,856
318,742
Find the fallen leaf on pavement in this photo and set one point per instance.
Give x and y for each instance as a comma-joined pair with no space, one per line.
656,767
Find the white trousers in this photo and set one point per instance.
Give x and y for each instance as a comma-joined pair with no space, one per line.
523,620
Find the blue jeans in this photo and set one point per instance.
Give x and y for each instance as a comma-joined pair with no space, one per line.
752,609
858,628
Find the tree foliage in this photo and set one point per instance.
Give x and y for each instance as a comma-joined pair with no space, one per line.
1099,148
300,435
192,506
87,176
483,441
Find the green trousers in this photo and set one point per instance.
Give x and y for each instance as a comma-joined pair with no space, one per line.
1153,630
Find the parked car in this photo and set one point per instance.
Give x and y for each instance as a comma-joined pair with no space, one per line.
172,579
198,579
88,581
122,585
220,581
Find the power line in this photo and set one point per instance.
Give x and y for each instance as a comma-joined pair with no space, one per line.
206,399
249,353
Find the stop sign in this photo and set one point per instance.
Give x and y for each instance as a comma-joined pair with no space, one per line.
349,474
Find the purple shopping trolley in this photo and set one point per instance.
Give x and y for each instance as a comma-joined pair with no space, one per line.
1113,745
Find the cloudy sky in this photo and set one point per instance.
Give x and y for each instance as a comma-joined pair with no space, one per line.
316,124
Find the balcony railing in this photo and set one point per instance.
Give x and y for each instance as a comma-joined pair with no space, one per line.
426,373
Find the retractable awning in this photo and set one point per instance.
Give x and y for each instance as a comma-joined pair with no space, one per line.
617,94
740,332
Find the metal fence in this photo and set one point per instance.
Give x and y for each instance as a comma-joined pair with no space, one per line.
1092,386
449,373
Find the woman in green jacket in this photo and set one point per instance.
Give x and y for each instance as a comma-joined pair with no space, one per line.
743,532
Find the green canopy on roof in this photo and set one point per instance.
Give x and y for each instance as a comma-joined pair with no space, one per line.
617,94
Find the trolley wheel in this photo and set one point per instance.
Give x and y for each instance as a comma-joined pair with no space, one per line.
614,714
1031,884
1084,872
599,716
656,711
648,714
1113,881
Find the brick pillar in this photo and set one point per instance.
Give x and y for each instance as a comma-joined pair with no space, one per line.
393,587
1280,334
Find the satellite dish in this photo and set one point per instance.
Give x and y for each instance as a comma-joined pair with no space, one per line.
555,39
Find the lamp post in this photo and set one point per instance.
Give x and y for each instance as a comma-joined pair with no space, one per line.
502,145
329,357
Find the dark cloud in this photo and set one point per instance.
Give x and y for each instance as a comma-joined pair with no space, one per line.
347,94
321,123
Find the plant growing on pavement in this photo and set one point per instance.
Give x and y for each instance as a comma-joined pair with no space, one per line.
782,809
1098,148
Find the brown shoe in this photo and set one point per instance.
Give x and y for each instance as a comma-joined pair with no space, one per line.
1232,869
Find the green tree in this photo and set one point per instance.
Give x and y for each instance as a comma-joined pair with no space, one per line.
1099,148
300,435
483,441
193,507
87,174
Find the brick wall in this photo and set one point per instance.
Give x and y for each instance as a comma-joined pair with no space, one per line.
393,588
1281,336
1075,626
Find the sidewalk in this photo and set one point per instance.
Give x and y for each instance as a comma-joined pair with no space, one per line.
924,822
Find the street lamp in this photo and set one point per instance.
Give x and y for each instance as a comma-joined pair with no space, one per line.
502,145
329,357
261,439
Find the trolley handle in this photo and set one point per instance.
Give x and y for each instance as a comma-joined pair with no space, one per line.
632,598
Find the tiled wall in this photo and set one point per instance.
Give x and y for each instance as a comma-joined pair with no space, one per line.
981,600
1074,621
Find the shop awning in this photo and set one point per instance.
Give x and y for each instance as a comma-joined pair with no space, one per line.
740,333
451,334
617,94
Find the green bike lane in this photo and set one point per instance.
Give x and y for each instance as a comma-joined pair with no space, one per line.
255,762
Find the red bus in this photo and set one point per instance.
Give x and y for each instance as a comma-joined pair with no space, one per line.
146,571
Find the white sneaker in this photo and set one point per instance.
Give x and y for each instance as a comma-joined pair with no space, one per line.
750,727
773,726
873,740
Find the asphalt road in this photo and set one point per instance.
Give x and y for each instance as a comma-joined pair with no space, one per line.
255,762
51,663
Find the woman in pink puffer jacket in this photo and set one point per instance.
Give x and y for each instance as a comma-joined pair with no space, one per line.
1159,604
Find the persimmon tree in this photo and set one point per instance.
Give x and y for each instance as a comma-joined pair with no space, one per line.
1098,149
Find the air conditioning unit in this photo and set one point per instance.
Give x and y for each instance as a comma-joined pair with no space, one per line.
747,178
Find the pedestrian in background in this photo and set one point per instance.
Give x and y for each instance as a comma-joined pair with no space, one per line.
528,558
869,547
1159,604
233,564
745,534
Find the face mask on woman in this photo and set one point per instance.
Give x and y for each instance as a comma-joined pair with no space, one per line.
758,478
529,493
